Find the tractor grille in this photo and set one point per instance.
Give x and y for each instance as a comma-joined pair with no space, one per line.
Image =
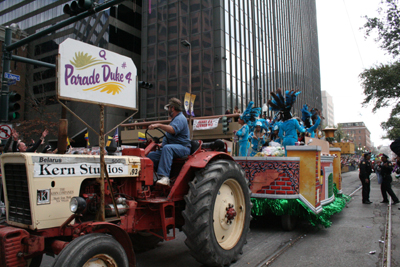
19,209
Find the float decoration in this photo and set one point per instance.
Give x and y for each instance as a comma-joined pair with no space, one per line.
298,208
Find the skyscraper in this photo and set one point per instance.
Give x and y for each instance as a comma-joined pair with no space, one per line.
241,51
328,109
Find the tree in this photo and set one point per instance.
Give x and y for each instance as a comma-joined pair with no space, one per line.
339,134
381,83
392,126
387,27
32,128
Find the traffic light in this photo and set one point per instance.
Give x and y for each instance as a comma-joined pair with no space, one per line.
145,85
77,7
13,106
225,124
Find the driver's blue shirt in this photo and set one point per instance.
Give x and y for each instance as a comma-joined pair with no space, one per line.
181,128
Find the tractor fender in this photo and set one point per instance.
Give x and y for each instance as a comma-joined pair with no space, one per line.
119,234
200,160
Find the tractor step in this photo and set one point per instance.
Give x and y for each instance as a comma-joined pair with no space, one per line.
156,200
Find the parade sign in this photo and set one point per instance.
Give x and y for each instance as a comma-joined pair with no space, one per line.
92,74
205,124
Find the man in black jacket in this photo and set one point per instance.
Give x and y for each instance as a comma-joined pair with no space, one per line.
21,146
386,169
365,172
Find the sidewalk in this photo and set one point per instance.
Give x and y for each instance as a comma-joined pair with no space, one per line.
354,233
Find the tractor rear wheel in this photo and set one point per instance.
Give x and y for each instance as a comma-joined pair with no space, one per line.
217,213
92,250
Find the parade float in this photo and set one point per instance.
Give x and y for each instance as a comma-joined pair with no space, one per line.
305,183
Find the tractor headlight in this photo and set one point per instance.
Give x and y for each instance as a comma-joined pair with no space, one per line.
77,204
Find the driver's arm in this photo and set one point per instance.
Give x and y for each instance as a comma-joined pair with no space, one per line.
166,128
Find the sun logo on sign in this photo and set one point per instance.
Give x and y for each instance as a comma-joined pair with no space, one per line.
84,60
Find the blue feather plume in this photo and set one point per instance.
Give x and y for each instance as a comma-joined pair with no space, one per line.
291,98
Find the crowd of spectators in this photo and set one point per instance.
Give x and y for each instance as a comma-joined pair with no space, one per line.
350,160
14,144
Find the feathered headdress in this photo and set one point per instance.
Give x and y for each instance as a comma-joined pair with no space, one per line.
291,98
306,116
279,104
250,115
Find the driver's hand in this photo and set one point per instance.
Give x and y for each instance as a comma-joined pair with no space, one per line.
153,126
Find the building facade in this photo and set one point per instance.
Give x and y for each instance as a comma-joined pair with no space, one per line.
328,109
117,29
359,133
241,51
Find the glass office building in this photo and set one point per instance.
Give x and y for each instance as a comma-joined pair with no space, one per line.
117,29
240,50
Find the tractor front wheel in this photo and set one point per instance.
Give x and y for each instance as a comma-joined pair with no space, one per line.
92,250
217,213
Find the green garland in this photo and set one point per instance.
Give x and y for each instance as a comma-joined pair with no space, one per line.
262,206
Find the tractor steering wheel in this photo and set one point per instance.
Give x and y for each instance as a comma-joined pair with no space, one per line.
155,138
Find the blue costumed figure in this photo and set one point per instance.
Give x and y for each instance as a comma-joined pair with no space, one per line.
311,119
264,124
289,126
316,119
257,139
243,135
306,116
247,120
288,130
275,132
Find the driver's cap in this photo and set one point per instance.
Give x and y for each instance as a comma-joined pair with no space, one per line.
174,102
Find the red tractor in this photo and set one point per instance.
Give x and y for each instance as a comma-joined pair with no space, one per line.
209,200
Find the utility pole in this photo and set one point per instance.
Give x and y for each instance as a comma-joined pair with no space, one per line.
8,48
4,80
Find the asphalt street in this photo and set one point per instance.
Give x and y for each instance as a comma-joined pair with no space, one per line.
354,233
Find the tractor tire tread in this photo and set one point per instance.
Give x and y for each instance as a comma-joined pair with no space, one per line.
199,200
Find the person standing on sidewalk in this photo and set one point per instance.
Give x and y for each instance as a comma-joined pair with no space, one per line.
365,172
386,168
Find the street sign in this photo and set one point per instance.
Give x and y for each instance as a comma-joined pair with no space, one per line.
5,131
12,82
11,76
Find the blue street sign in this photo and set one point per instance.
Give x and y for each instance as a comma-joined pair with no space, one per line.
11,76
12,82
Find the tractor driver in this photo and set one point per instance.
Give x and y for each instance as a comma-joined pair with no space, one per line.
175,144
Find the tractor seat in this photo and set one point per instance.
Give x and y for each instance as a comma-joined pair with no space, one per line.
195,145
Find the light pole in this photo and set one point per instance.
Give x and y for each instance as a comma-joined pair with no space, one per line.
188,45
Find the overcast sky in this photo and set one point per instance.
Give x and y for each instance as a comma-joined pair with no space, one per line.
344,54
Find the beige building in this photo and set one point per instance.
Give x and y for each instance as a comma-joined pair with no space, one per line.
327,109
359,133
